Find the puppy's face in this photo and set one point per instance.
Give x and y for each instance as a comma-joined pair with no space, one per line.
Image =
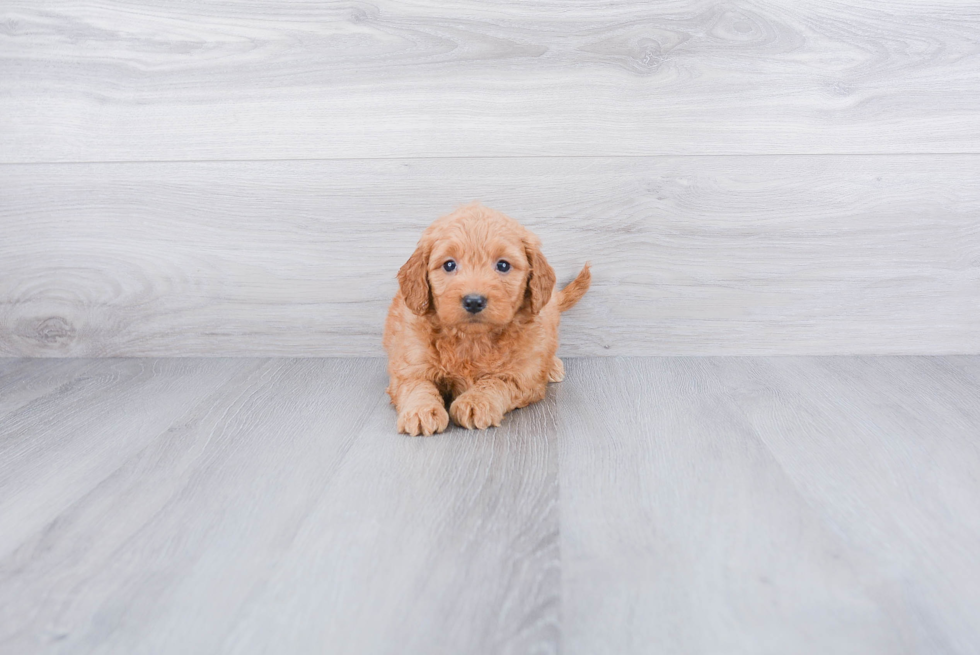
475,270
477,285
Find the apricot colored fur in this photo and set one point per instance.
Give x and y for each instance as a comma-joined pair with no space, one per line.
482,365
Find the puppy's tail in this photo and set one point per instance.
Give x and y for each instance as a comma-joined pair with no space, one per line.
572,293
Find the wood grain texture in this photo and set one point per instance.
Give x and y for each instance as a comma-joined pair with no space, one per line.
691,255
445,544
740,505
53,448
281,513
24,380
770,505
115,81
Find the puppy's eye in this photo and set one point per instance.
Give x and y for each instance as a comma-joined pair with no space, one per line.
503,266
449,266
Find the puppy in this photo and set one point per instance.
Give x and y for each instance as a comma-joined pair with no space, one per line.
474,324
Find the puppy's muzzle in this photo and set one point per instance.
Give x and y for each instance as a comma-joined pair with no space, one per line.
474,304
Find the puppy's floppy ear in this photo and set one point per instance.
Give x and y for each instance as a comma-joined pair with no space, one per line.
541,277
413,280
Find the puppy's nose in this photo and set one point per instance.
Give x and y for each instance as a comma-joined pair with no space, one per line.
474,304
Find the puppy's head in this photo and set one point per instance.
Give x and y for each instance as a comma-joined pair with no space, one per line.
475,270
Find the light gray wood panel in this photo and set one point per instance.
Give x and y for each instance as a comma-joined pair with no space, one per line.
445,544
770,505
285,513
757,505
887,451
691,255
23,381
259,80
96,575
54,449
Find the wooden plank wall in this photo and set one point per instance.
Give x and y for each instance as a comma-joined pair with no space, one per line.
244,178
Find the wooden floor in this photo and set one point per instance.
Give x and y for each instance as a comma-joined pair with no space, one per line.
661,505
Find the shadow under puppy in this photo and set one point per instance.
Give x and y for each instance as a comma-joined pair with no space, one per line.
474,323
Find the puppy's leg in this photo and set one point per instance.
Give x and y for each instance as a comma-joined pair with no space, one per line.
557,371
420,408
485,403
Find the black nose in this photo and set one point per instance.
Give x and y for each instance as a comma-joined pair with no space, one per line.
474,304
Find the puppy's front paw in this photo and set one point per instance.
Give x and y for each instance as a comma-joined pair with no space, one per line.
424,419
474,409
557,371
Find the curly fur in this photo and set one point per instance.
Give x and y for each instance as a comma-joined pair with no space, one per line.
482,365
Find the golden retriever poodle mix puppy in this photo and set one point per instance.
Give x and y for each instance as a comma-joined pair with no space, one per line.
474,324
